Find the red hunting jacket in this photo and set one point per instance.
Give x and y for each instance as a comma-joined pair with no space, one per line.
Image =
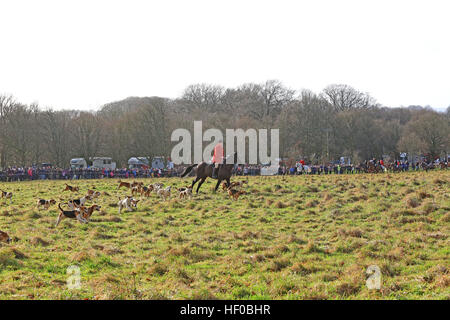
218,153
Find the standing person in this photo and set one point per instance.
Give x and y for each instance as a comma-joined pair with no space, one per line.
170,166
217,158
299,167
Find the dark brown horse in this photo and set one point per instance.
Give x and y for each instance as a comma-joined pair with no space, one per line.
204,170
443,165
426,166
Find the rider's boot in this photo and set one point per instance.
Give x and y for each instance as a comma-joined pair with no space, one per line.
214,173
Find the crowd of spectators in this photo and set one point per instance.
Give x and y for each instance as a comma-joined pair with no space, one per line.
300,167
53,173
338,168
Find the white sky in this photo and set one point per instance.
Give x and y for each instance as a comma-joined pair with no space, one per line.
82,54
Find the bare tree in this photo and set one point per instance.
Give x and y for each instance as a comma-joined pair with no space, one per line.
203,96
265,101
86,135
6,105
343,97
340,121
431,132
55,128
20,132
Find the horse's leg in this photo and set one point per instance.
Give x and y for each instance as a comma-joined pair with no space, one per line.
194,182
228,182
218,184
200,184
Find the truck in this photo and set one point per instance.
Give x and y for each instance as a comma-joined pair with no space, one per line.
103,163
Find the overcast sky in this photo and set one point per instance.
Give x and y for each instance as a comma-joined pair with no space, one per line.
83,54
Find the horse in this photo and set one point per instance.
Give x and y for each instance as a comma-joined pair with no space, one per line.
443,165
204,171
374,168
393,167
426,166
361,168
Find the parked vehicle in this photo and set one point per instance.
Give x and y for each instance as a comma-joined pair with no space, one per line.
344,161
158,163
138,162
271,169
103,163
78,163
45,165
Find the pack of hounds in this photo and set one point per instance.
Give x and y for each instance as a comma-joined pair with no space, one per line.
78,210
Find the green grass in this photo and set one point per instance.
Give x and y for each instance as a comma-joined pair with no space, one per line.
302,237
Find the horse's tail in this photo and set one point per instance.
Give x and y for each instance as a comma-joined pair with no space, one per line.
187,170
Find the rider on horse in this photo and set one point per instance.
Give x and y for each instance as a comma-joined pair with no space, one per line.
217,158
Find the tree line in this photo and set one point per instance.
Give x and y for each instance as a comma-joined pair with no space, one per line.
339,121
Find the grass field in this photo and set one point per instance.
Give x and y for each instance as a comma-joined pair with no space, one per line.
302,237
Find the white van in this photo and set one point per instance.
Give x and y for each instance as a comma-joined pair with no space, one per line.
78,163
272,169
138,162
103,163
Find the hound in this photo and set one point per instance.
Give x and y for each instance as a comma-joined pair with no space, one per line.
238,184
4,237
129,185
79,202
6,195
72,214
95,195
135,190
45,203
224,186
140,185
146,191
128,203
70,188
241,183
164,193
157,186
233,193
124,184
185,192
87,212
232,185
